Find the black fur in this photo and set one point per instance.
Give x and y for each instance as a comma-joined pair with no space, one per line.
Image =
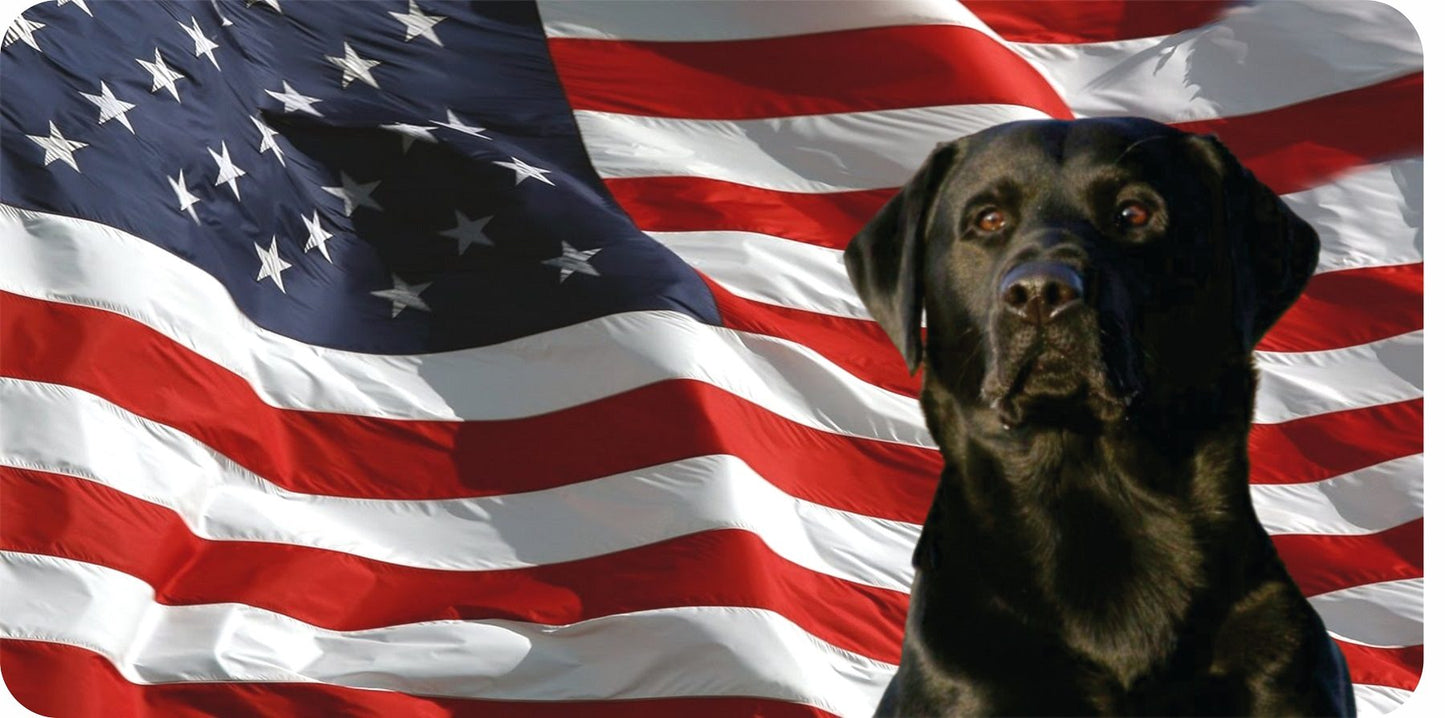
1092,549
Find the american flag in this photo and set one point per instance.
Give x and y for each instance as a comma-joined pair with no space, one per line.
432,358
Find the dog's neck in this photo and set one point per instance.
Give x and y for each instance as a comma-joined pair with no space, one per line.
1105,549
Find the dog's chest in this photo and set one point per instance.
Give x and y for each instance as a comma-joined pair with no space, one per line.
1116,565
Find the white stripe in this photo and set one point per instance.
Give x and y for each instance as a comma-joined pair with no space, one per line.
1371,217
704,20
811,153
1388,614
1256,58
1298,384
770,269
72,432
1361,502
1373,701
1368,218
79,262
689,651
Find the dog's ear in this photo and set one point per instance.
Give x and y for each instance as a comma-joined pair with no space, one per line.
1275,249
884,258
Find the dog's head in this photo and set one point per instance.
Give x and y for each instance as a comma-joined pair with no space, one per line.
1072,269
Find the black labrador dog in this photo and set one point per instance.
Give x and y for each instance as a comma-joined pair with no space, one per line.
1093,291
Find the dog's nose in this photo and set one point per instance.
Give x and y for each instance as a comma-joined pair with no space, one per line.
1038,291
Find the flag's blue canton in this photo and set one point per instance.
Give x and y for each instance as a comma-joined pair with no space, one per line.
416,163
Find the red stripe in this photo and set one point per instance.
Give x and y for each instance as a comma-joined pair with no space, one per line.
325,453
683,204
1338,309
1318,447
344,592
1393,667
858,346
1350,307
1299,146
1093,20
1328,563
58,680
847,71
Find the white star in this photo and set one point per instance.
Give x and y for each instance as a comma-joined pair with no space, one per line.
316,236
272,265
273,4
456,123
354,194
404,296
225,21
228,173
78,3
24,31
354,66
411,133
293,101
268,140
162,76
110,108
184,196
204,46
418,23
468,232
57,147
573,260
525,171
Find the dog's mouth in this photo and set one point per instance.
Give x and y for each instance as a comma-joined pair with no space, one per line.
1044,382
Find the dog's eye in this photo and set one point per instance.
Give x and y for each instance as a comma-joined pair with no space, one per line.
1133,214
990,220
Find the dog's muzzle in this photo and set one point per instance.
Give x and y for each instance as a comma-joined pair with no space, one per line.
1046,346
